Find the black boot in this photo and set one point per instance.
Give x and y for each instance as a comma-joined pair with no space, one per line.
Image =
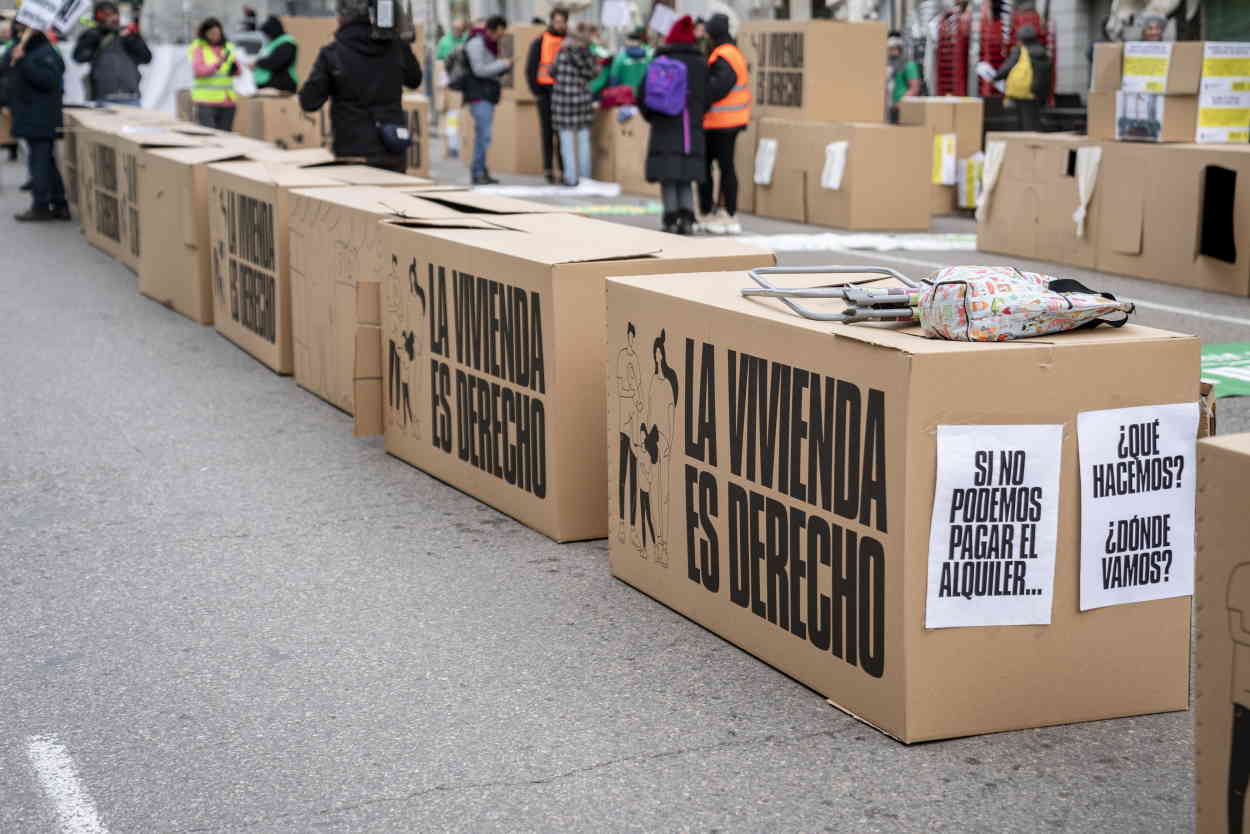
669,222
685,222
35,214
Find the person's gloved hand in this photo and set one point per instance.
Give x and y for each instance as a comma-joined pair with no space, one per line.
131,30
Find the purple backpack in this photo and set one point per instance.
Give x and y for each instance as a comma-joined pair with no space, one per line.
666,91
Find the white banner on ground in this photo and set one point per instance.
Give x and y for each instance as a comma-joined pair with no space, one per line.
169,72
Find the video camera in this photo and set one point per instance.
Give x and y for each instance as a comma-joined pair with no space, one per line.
392,19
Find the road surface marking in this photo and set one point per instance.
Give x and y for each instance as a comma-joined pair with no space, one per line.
59,779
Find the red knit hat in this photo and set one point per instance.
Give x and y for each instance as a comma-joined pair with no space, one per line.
682,31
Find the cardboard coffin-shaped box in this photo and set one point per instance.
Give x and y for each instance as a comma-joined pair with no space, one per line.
773,478
493,332
337,267
248,209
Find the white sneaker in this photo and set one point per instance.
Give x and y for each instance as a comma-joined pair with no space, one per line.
714,223
731,225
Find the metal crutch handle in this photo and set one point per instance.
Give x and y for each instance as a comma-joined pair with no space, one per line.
881,306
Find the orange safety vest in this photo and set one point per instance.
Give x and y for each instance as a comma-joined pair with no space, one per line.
734,110
547,58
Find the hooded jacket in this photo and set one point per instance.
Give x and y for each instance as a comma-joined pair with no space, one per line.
115,59
667,154
364,80
485,68
279,61
36,85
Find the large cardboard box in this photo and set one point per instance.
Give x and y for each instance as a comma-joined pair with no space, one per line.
945,115
1154,117
337,266
174,264
1029,213
1100,115
1105,72
816,70
619,152
417,116
516,45
1180,214
515,146
1174,68
1222,647
886,167
310,33
495,354
249,206
276,117
780,493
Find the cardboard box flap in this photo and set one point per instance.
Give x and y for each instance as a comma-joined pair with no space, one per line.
476,202
203,154
458,221
354,174
1123,227
302,157
157,137
384,202
278,174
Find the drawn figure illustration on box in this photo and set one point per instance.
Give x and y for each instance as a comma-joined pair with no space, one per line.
647,414
404,349
1239,758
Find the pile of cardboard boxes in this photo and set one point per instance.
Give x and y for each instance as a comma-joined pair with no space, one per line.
1168,130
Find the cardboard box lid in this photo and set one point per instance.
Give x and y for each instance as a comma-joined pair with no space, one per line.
721,290
384,202
299,158
277,174
1235,443
203,154
475,202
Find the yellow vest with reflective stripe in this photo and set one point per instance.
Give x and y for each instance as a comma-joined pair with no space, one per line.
218,87
734,110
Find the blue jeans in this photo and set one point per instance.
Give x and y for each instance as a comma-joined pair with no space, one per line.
46,187
483,113
579,141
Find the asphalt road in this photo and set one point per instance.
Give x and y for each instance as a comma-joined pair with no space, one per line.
221,612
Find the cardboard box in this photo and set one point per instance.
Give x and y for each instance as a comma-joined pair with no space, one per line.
942,115
515,146
1030,211
310,33
1105,70
1100,115
508,408
1181,214
1154,117
516,45
886,167
1171,67
249,205
735,515
337,266
183,106
174,265
276,117
417,116
619,152
1222,647
816,70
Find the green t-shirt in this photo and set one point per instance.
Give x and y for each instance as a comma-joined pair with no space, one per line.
902,79
447,44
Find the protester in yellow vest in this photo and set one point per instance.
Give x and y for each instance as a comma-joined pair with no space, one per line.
540,64
1027,70
214,65
729,90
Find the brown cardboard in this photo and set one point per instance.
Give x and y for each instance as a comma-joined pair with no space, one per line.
712,509
276,117
1154,226
619,152
249,205
417,117
1178,123
183,106
963,117
336,272
310,33
1100,115
744,166
515,147
816,70
174,266
515,44
1105,72
557,264
886,167
1184,75
1222,645
1030,210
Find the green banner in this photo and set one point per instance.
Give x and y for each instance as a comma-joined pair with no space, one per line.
1228,367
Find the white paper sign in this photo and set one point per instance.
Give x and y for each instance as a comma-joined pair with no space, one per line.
1224,102
995,521
1137,503
765,159
944,159
1146,66
52,14
970,180
662,19
835,165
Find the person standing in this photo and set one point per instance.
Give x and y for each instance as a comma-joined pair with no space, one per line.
363,78
214,65
1027,70
482,89
729,90
453,38
275,66
36,81
115,56
902,77
573,105
629,66
540,65
675,148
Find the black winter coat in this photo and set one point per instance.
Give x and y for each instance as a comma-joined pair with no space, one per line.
35,85
364,79
667,158
115,59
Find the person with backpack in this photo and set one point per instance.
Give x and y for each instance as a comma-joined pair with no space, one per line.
275,66
540,65
115,55
672,98
1027,70
482,89
573,105
363,78
36,82
729,91
902,76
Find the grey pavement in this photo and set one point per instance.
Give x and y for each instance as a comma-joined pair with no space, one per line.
235,616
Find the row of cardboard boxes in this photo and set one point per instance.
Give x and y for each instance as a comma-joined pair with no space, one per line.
1175,213
772,477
